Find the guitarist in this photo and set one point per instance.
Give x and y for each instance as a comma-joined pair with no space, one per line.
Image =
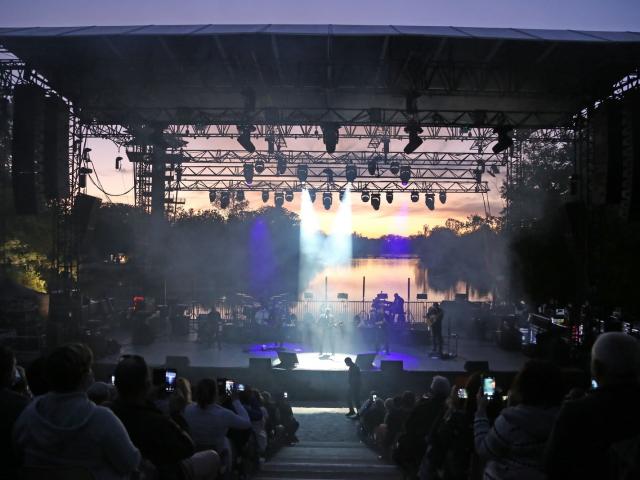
434,318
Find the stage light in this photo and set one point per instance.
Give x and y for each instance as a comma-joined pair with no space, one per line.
481,166
329,173
118,163
405,174
271,145
414,131
259,166
389,196
240,195
288,196
430,201
375,201
504,139
212,196
178,174
278,199
247,172
442,196
341,195
281,166
415,196
82,180
244,138
224,199
303,173
385,146
327,200
330,136
493,170
478,174
265,196
364,196
372,166
394,167
351,173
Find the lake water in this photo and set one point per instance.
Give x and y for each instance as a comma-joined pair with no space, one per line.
388,275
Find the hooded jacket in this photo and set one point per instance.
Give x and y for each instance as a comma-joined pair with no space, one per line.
69,429
514,447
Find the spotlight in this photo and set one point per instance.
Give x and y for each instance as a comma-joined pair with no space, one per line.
385,146
414,131
394,167
247,171
212,196
372,166
312,195
405,174
265,196
288,196
281,167
330,136
430,201
442,196
478,174
351,173
278,199
504,139
302,172
240,195
341,195
415,196
389,196
375,201
244,139
271,145
224,199
82,180
259,166
327,200
329,173
118,163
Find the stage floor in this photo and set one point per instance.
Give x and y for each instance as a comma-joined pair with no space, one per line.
234,355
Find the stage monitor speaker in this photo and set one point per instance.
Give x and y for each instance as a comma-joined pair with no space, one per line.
260,363
288,360
56,149
473,366
27,147
391,366
179,363
83,213
365,360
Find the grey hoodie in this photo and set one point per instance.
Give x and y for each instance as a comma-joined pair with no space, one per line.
514,447
69,429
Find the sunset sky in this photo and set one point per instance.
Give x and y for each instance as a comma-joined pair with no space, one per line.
401,217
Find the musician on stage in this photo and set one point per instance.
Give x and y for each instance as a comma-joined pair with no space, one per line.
435,314
212,329
326,324
397,309
382,330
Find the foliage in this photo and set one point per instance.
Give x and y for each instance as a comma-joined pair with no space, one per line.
25,266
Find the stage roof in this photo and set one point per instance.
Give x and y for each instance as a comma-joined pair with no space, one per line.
316,73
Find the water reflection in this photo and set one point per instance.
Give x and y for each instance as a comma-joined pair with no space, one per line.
390,275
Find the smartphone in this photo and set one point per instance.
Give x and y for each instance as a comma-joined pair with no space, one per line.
374,398
170,376
285,395
113,379
240,387
505,398
594,384
462,393
489,386
228,387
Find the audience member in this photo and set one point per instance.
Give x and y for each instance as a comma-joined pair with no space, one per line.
160,440
586,428
209,422
36,376
353,394
514,447
287,419
64,428
11,406
100,393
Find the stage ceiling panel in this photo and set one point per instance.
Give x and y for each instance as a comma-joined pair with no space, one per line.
317,73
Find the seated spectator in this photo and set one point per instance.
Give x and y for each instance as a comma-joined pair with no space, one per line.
259,424
372,413
209,422
64,428
586,428
160,440
11,406
178,402
273,426
513,448
287,420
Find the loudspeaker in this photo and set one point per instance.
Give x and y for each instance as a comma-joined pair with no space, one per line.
56,149
27,147
287,359
177,362
365,360
260,363
472,366
83,214
391,366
